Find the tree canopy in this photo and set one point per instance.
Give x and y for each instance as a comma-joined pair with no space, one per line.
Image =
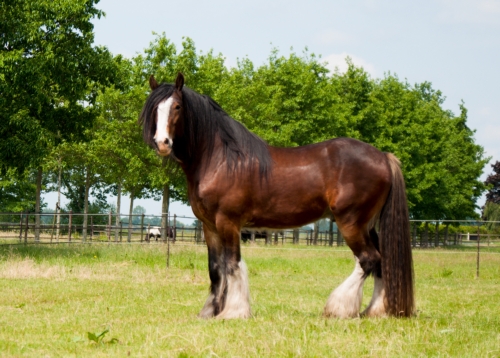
50,74
63,96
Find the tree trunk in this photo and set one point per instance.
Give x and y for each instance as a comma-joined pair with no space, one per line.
130,211
118,203
86,205
37,204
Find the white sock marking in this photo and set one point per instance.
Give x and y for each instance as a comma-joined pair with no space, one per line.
345,300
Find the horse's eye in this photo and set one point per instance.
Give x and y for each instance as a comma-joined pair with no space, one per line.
178,107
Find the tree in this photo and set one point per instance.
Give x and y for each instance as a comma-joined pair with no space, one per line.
440,160
17,193
493,181
283,101
48,68
491,210
49,77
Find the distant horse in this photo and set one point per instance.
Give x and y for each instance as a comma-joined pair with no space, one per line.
235,179
155,232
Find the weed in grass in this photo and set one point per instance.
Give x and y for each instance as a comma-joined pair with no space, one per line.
445,272
99,338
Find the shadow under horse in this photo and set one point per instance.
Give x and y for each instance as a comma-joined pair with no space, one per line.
235,179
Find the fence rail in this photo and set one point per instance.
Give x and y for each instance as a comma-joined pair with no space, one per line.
71,227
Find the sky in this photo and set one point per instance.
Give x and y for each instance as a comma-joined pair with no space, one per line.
454,44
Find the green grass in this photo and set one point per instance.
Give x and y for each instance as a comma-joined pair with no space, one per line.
60,300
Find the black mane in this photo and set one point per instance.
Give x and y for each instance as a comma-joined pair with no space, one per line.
204,120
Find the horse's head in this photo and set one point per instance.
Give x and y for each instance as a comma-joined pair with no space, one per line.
169,117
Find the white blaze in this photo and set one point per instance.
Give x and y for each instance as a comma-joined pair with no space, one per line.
162,124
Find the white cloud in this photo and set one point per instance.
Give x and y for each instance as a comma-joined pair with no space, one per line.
338,62
470,11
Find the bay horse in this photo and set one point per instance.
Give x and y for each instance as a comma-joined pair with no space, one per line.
236,179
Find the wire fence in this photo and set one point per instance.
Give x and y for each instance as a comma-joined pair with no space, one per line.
113,228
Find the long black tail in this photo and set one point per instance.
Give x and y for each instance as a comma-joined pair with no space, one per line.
395,247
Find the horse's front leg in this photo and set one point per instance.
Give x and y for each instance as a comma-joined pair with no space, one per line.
229,291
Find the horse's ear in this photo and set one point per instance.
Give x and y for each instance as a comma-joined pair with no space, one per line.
152,83
179,81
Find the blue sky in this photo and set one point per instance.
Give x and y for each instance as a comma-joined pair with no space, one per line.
454,44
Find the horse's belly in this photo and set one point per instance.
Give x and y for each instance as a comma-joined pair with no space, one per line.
288,211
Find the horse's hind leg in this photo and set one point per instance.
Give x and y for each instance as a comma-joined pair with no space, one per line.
377,305
345,300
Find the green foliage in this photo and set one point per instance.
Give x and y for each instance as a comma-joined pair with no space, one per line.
48,70
493,181
17,193
491,212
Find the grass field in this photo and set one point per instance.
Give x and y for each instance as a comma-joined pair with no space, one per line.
51,297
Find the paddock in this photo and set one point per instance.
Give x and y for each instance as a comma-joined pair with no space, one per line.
53,295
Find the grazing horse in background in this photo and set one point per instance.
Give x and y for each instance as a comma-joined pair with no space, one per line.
236,180
155,232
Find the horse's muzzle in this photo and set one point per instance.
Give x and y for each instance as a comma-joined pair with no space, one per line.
163,149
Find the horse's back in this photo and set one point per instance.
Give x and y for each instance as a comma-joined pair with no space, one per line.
310,182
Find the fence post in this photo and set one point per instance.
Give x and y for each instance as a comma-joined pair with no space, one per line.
436,237
121,230
109,226
414,238
142,226
426,235
91,227
295,234
54,223
27,227
315,233
70,224
330,232
478,240
164,230
174,229
21,227
168,241
37,226
130,228
445,242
